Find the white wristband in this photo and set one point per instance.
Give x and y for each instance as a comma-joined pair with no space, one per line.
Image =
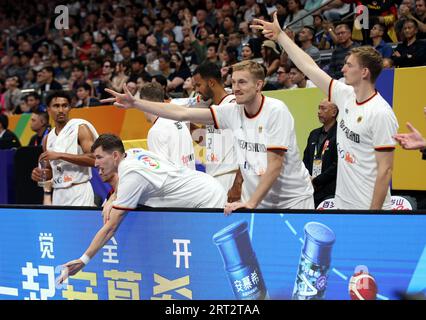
85,258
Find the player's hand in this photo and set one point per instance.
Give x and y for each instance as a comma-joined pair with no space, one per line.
70,269
50,155
230,207
412,140
36,174
122,100
270,30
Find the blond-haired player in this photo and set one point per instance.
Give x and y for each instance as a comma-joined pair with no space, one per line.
365,124
264,137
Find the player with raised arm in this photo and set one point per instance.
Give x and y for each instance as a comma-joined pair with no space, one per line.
366,122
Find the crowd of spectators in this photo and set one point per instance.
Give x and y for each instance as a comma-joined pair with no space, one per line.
109,43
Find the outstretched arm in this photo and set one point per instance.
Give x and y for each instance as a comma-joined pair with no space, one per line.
103,236
412,140
300,58
164,110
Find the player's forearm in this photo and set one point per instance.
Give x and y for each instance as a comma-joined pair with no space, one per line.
265,184
84,160
164,110
100,239
381,186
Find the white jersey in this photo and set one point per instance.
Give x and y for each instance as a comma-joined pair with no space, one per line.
65,173
272,128
172,140
362,128
147,179
220,152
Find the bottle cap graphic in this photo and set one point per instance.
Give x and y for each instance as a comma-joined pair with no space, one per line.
319,240
234,244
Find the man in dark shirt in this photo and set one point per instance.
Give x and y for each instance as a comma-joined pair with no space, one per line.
40,125
344,45
411,52
8,139
320,155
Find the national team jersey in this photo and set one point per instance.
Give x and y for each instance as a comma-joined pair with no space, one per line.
272,128
220,152
172,140
148,179
362,128
65,173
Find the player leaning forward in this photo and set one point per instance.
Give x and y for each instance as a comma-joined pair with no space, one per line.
141,177
264,137
365,124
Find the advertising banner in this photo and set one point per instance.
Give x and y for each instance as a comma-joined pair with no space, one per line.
205,255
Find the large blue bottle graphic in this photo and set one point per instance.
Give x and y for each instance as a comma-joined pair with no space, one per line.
315,259
240,262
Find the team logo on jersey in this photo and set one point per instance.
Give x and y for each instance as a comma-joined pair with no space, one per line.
359,119
148,162
349,158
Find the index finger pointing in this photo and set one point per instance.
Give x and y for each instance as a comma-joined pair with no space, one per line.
114,93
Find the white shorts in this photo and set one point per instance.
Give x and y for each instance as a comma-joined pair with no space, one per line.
76,195
226,180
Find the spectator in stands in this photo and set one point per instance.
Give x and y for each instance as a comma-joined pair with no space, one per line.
138,67
320,155
8,139
298,79
419,15
30,80
271,61
188,88
344,45
84,96
212,54
306,38
34,103
247,52
229,58
46,81
295,12
12,95
165,66
284,80
336,10
120,76
105,79
411,52
77,77
376,36
40,125
181,72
